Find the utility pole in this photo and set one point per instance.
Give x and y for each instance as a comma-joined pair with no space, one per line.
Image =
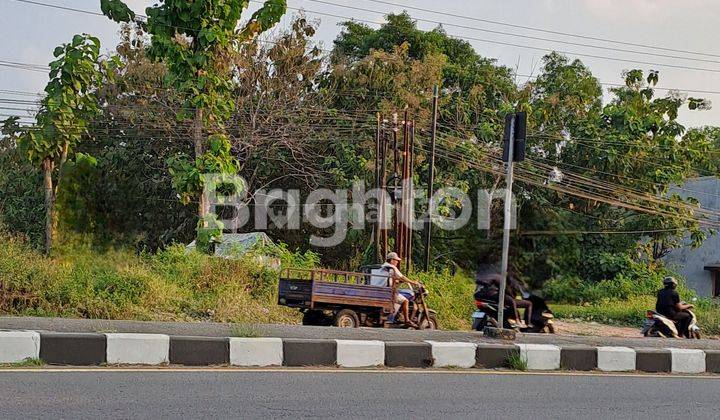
378,226
515,127
509,121
431,177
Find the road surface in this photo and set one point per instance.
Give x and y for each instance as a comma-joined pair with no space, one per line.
333,394
216,329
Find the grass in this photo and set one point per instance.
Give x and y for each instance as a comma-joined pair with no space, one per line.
29,362
81,280
631,313
244,331
114,283
516,362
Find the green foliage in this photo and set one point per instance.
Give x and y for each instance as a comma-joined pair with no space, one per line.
193,38
632,312
28,362
450,295
615,144
21,199
69,103
115,283
625,279
516,362
209,233
117,11
188,175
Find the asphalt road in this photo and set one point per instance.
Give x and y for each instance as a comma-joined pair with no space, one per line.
216,329
98,393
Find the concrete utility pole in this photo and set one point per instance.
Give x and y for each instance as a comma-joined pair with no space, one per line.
431,177
507,219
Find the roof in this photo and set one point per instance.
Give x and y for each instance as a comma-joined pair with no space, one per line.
713,267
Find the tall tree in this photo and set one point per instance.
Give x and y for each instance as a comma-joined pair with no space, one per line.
194,39
62,121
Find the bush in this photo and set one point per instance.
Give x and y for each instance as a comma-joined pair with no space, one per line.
175,285
82,281
451,296
634,279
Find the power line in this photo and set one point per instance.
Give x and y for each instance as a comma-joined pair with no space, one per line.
621,85
531,28
40,68
595,232
457,36
472,28
510,44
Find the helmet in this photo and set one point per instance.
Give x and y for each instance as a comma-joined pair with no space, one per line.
393,256
669,280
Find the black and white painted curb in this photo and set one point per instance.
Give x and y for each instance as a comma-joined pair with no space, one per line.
156,349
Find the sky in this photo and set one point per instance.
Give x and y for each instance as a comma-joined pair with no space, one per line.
29,33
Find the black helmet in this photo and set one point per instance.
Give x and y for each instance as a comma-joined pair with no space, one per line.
670,280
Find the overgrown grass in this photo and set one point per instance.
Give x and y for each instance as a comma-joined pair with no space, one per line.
114,283
516,362
451,296
82,281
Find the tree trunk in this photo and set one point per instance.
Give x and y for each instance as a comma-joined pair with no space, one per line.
199,150
47,166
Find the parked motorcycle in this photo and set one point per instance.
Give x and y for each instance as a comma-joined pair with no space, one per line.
656,325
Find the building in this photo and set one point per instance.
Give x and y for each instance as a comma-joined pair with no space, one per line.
700,266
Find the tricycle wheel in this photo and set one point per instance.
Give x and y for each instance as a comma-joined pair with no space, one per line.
313,318
429,323
347,318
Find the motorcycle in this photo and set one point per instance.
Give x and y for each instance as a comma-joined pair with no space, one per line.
656,325
424,317
486,315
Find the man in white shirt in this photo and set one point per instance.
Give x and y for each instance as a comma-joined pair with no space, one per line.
396,277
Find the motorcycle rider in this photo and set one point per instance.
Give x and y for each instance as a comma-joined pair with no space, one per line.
391,266
488,281
670,306
514,289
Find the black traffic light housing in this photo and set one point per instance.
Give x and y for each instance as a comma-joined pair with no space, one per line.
519,134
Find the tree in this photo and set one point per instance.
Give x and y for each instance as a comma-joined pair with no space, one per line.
195,39
397,65
632,149
70,103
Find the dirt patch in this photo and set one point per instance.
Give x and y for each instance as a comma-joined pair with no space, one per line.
570,327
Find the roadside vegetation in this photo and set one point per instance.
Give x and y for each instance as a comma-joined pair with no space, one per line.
85,280
277,110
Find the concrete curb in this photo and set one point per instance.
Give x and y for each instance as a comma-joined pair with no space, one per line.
540,356
492,356
153,349
73,349
687,361
299,352
453,354
359,353
256,351
616,359
16,346
140,349
581,358
199,351
408,354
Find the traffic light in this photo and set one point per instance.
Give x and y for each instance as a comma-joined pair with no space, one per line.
518,122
